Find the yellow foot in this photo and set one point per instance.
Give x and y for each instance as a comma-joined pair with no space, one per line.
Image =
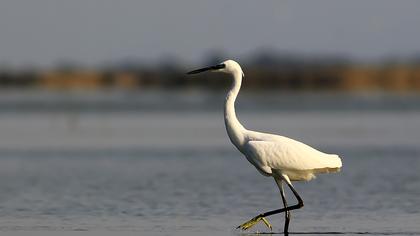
253,221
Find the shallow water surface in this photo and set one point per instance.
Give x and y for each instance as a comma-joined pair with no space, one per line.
207,194
175,173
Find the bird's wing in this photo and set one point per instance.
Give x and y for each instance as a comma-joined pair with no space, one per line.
289,154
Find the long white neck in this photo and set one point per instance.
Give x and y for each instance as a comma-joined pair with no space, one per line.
234,129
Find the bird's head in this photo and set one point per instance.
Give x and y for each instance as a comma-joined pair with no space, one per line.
229,66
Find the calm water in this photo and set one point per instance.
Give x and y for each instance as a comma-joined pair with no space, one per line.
166,172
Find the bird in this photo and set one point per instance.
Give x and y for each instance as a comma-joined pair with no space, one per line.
276,156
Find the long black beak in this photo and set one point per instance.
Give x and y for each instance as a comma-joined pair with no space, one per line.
216,67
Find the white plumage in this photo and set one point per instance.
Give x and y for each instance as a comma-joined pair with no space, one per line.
283,158
285,155
273,153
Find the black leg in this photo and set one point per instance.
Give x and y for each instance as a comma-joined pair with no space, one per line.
286,208
287,213
289,208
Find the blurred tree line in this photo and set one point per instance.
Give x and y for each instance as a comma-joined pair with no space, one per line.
266,70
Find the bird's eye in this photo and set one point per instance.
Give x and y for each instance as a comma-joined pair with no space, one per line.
218,67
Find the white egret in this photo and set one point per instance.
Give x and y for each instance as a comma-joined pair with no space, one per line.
280,157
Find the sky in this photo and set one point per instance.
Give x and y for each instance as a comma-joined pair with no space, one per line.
91,32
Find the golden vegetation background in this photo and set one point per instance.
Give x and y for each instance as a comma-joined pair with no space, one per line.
263,72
